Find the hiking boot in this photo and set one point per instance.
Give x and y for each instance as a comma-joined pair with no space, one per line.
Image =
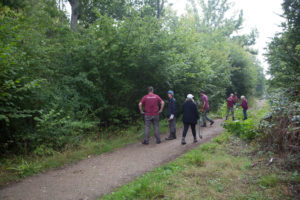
212,122
170,138
204,125
145,142
183,141
158,141
195,140
174,135
233,119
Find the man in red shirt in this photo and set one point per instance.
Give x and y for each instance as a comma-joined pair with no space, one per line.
230,103
151,103
205,109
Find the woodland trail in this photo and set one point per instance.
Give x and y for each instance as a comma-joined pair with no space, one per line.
96,176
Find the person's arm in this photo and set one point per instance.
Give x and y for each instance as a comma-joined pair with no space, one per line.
162,105
141,108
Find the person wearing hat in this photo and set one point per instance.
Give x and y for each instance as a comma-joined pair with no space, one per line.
190,117
171,115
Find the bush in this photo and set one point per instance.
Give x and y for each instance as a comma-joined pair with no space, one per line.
279,130
243,129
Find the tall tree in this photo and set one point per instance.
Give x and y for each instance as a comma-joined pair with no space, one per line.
159,7
75,13
284,50
214,16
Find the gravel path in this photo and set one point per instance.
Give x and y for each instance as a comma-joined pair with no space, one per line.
94,177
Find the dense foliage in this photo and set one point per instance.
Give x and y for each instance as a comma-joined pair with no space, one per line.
58,84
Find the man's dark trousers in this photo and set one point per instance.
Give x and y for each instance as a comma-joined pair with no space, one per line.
172,126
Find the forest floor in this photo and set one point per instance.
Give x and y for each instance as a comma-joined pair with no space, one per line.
99,175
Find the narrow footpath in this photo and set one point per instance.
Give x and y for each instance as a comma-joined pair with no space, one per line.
96,176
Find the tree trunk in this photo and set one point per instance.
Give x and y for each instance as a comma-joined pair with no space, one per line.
159,7
75,14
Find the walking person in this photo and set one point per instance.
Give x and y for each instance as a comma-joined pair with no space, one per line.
172,115
205,109
244,105
230,104
189,118
151,103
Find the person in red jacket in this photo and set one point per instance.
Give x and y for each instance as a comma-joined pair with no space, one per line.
244,105
205,109
230,103
235,98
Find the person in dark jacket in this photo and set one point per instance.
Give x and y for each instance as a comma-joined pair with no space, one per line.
190,117
171,115
244,105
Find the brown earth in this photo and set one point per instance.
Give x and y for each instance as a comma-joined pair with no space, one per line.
94,177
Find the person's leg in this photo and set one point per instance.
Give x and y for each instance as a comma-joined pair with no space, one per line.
245,114
147,129
232,113
170,127
185,130
173,125
193,127
204,118
227,112
211,121
156,128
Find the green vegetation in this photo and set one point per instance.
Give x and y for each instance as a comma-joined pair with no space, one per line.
60,85
224,172
279,131
248,129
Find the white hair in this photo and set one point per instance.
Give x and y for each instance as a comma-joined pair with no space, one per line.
242,96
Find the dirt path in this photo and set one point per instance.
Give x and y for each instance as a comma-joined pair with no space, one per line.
94,177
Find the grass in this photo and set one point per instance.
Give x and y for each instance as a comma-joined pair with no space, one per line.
221,169
15,168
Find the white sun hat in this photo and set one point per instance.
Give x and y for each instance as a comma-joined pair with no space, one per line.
190,96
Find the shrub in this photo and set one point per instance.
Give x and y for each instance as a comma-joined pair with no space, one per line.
243,129
279,130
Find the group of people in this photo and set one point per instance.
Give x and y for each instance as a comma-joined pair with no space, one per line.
190,113
232,102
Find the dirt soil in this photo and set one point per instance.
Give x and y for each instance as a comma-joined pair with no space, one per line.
99,175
